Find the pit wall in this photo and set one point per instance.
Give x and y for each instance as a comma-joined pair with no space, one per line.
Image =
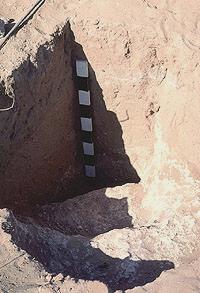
39,136
41,154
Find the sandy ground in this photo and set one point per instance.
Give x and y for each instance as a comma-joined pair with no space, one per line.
144,67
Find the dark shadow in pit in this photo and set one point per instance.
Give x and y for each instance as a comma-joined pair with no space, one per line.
89,215
6,101
112,163
97,212
32,182
75,256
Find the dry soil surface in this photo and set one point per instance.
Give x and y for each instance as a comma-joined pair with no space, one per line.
144,70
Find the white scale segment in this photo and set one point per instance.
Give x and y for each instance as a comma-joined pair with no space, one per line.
90,171
82,71
88,148
86,124
82,68
84,98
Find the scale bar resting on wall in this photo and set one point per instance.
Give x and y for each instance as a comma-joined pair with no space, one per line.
86,120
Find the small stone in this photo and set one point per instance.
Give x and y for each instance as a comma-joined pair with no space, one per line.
2,27
58,278
49,277
96,22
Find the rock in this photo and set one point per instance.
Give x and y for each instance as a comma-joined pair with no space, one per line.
49,278
2,28
96,22
58,278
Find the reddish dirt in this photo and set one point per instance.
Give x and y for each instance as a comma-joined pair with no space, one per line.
144,70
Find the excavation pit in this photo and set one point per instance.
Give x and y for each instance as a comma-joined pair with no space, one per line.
145,107
41,147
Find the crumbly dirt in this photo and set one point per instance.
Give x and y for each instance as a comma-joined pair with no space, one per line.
144,68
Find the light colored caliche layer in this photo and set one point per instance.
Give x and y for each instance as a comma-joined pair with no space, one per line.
168,183
123,225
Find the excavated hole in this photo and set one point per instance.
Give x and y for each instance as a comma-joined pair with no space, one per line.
42,163
75,256
41,156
